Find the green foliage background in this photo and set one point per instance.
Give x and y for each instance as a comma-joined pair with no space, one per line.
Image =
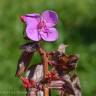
77,28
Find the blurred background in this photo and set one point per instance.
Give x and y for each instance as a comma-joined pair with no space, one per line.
77,28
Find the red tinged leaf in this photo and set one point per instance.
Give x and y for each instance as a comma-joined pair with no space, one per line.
27,83
28,51
23,62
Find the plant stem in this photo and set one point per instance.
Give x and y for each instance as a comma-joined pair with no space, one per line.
45,67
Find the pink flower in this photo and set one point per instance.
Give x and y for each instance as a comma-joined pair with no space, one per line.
41,26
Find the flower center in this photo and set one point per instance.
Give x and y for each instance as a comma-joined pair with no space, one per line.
41,25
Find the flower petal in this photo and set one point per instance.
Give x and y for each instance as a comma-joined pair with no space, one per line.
50,18
31,20
50,34
33,34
